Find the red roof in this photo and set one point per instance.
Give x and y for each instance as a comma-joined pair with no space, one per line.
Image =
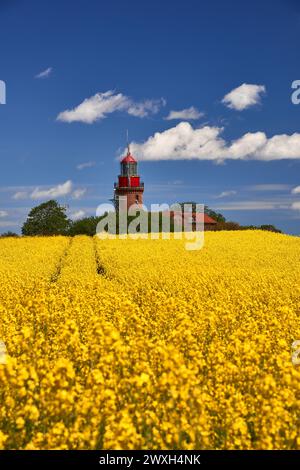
209,220
128,159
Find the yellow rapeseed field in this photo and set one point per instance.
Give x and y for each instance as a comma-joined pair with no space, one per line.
141,344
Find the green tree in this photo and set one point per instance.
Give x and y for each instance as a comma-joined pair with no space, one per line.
8,234
228,225
49,218
85,226
190,203
270,228
217,216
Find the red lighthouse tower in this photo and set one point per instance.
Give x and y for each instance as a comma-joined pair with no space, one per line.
129,183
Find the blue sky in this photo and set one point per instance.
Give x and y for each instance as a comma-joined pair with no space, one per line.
137,65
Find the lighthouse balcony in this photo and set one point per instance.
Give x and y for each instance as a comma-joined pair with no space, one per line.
132,187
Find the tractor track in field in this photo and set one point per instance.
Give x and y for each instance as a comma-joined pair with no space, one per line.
99,266
55,276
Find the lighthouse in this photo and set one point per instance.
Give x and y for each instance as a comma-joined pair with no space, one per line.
129,183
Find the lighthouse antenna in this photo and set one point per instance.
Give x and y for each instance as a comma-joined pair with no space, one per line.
127,142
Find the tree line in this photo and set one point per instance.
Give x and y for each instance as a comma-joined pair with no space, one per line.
50,218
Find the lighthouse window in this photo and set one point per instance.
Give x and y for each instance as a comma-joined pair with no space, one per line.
129,169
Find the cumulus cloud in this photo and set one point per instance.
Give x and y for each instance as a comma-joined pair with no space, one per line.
205,143
181,142
244,96
44,73
185,114
77,215
100,105
226,194
3,213
78,193
56,191
296,190
82,166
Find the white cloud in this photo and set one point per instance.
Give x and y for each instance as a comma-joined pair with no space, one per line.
296,190
95,108
177,182
20,195
82,166
44,73
226,194
252,205
185,114
205,143
78,193
269,187
78,215
3,213
244,96
296,206
145,108
181,142
100,105
56,191
8,223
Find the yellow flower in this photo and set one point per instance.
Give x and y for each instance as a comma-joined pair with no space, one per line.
20,423
140,344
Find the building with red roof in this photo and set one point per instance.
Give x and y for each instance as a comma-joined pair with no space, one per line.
192,218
